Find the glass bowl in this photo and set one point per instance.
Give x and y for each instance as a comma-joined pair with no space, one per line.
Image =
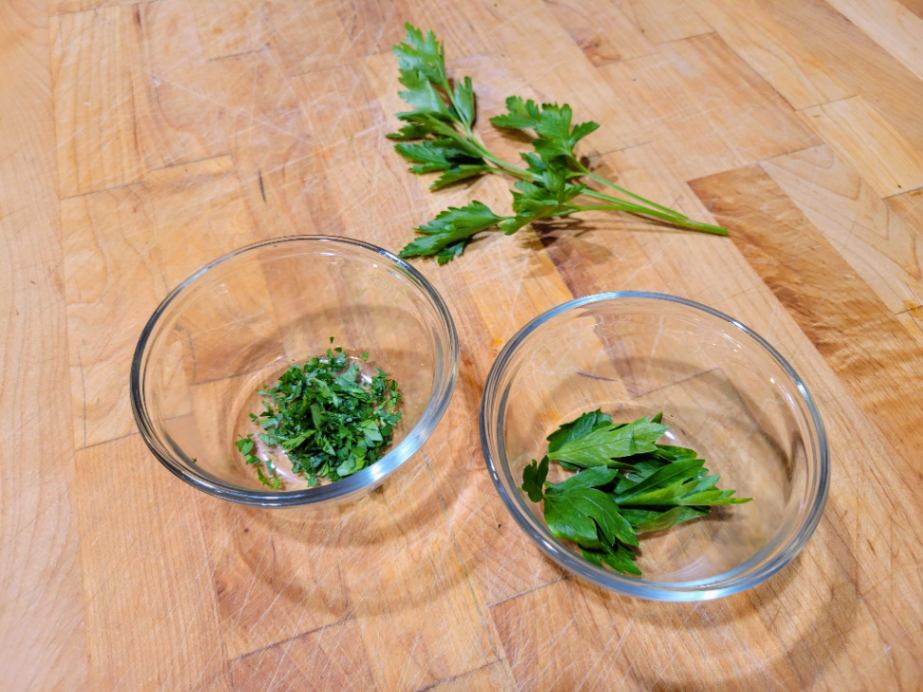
723,390
237,323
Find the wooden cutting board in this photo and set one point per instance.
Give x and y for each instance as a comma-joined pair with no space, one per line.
139,140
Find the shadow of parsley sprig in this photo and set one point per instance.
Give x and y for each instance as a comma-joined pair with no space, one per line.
438,137
626,484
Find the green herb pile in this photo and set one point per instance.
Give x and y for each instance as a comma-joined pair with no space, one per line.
328,421
438,137
626,484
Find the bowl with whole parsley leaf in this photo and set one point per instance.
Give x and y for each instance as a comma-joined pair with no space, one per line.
295,371
654,446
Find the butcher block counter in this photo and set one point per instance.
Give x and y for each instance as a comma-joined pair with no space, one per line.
139,140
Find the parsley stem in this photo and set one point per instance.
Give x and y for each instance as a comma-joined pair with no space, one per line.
504,167
638,210
603,181
515,171
647,208
470,143
596,194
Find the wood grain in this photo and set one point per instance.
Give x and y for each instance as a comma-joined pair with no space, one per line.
894,27
665,20
270,142
692,112
914,6
42,611
69,6
595,25
260,575
789,254
231,28
152,615
116,269
865,139
491,677
176,120
328,653
771,50
878,237
92,100
140,140
537,61
854,59
323,35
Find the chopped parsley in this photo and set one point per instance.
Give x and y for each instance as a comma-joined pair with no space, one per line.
329,419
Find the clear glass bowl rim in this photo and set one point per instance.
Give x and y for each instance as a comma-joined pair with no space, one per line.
729,582
444,385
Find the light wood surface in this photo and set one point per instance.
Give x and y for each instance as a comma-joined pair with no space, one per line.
140,139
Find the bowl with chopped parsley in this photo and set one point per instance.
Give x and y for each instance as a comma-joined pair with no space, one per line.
654,446
295,371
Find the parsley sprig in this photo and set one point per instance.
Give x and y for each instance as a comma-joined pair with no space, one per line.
626,484
438,137
326,417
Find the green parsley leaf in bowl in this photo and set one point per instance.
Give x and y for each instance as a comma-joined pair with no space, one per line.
627,484
629,498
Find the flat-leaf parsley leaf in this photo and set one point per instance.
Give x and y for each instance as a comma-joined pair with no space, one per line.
627,484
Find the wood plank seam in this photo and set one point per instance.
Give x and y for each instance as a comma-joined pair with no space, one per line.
128,434
95,8
263,123
859,224
191,162
502,601
262,50
83,386
458,676
904,192
241,54
349,617
771,103
859,133
111,188
884,32
824,103
668,42
769,159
